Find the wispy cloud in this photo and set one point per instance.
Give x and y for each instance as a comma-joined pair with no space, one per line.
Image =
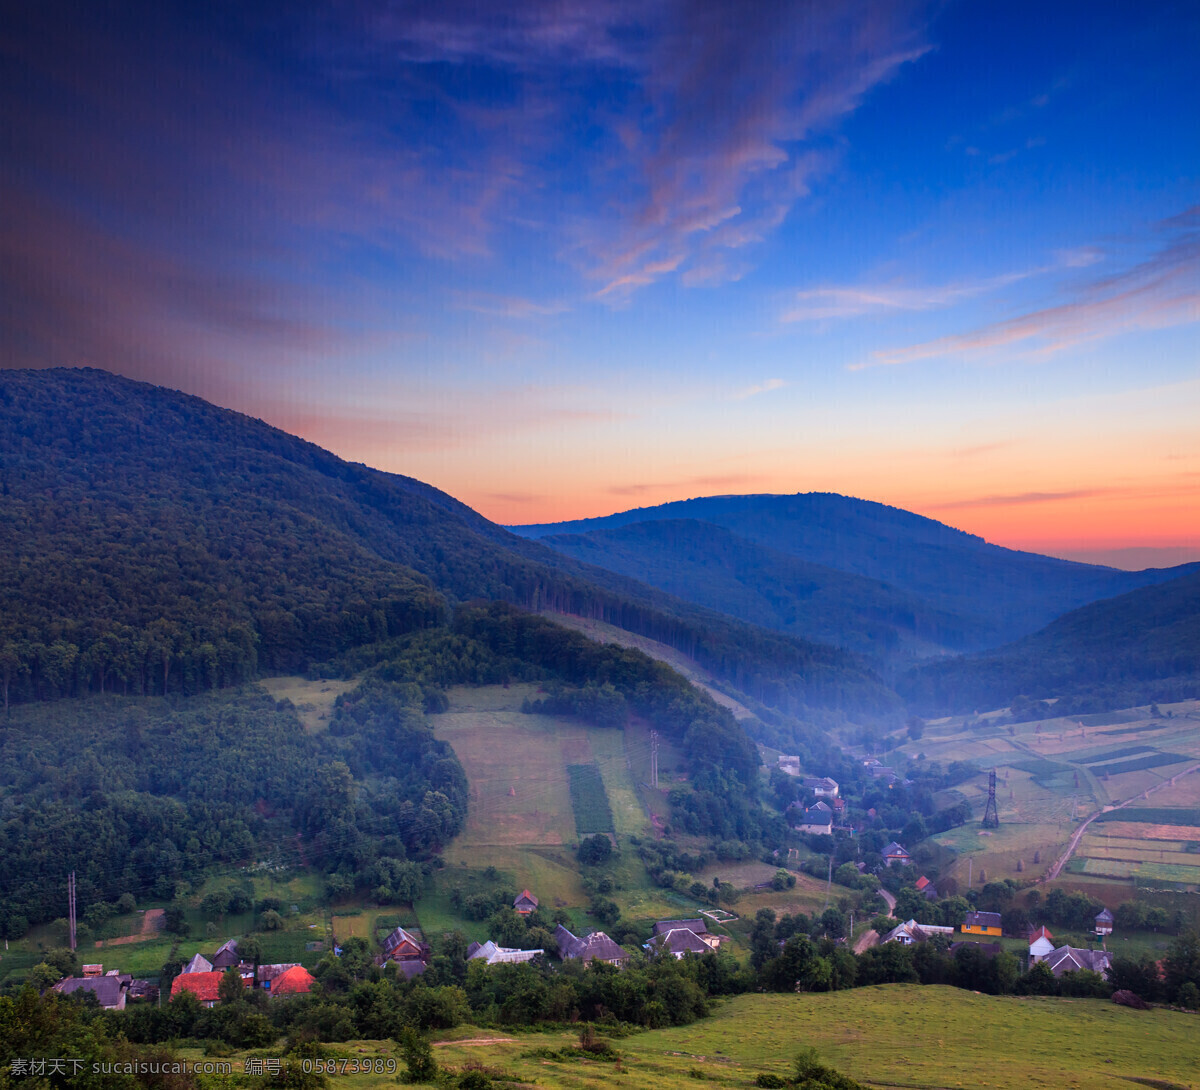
855,301
508,306
732,480
1158,292
819,304
1022,498
515,497
761,388
731,99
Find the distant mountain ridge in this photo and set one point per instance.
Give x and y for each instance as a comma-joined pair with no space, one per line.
923,587
1137,648
717,569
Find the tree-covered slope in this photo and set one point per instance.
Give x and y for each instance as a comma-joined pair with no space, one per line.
717,568
996,594
1138,647
151,542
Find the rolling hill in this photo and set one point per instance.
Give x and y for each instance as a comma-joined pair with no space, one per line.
919,586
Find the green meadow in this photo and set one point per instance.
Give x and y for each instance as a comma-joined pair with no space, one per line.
888,1036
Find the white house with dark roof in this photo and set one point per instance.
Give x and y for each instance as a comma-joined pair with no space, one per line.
1104,922
816,820
680,937
823,787
679,942
911,932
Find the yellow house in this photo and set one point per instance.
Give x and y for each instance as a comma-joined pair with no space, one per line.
982,923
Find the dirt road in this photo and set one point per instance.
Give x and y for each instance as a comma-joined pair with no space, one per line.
865,941
1063,859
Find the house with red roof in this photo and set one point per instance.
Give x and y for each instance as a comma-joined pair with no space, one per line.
526,904
1041,944
204,986
294,981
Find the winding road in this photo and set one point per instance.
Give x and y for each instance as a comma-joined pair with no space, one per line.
869,938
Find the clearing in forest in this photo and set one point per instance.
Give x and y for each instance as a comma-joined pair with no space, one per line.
518,767
313,700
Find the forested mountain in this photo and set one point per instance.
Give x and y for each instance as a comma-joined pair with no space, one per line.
151,542
717,568
964,594
1136,648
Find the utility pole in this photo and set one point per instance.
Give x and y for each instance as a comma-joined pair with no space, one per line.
991,815
71,905
654,758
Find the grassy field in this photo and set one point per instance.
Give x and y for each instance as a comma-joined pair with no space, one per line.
890,1036
518,765
313,699
525,820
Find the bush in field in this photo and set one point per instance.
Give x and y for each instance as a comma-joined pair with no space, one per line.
594,850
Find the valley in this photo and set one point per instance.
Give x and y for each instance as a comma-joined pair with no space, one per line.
309,708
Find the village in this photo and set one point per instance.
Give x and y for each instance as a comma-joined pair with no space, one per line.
404,952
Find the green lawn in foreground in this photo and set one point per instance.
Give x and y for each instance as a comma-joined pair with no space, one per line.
890,1036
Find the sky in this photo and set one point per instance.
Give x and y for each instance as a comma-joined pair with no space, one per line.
562,259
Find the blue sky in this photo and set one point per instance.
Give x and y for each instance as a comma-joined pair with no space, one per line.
561,259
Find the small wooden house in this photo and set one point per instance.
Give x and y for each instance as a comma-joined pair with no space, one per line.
595,947
227,956
982,923
1104,922
894,855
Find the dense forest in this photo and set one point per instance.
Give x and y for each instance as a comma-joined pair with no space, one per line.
1138,648
138,795
152,543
